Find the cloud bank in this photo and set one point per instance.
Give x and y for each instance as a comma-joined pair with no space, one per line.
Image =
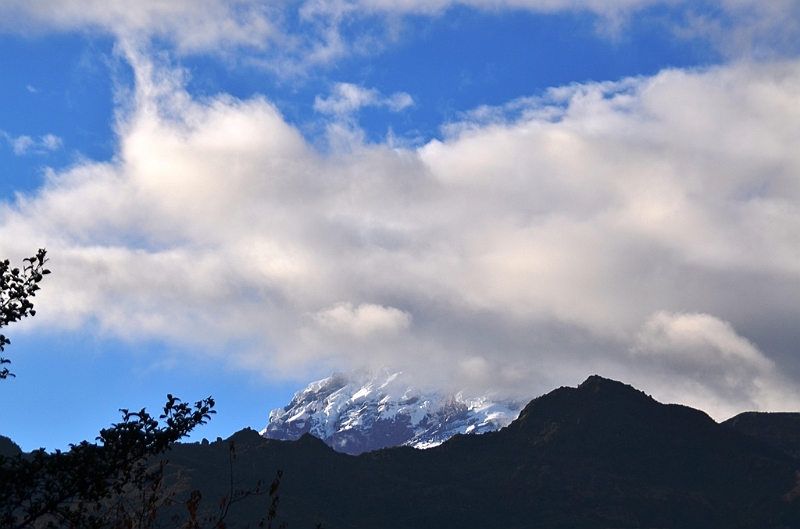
646,229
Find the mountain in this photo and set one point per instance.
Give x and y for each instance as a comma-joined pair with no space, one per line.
781,430
600,455
356,413
8,448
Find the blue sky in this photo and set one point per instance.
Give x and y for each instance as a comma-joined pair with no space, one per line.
239,197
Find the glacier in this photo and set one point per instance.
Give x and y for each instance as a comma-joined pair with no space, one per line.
357,412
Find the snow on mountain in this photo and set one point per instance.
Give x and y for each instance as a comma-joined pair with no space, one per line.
356,413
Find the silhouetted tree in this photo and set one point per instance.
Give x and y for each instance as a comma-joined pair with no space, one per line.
16,288
111,483
68,489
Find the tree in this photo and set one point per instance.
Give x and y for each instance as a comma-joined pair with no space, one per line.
70,488
94,485
16,288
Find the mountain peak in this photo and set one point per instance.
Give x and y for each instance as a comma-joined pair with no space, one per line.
8,448
598,384
606,411
357,412
595,382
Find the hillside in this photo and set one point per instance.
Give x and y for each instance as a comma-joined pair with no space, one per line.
781,430
596,456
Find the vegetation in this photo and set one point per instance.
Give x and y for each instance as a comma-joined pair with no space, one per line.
115,482
17,287
71,488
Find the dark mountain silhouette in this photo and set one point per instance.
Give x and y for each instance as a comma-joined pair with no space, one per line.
601,455
781,430
8,448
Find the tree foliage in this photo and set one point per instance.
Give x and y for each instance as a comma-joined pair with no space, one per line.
71,489
17,287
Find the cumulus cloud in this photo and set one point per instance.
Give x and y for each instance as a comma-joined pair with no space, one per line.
526,249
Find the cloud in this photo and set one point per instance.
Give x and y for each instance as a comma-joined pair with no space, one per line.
712,365
745,29
343,131
524,250
700,342
290,38
22,145
348,98
364,320
191,26
51,142
434,7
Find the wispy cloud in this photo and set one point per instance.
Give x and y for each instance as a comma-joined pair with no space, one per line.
23,145
347,98
292,37
342,105
191,26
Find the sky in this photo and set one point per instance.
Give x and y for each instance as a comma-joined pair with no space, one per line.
498,197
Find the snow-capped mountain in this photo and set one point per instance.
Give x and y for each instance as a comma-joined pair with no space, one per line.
355,413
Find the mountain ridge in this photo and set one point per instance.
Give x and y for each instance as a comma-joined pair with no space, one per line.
599,455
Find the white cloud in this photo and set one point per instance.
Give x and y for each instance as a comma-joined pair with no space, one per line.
22,145
703,361
398,101
364,320
51,142
739,28
192,26
528,250
348,98
700,342
747,28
